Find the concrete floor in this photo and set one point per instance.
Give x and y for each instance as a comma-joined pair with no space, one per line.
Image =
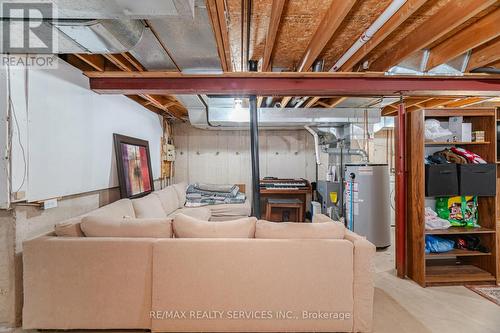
402,306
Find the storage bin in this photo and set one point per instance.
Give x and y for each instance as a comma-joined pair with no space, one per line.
477,179
441,180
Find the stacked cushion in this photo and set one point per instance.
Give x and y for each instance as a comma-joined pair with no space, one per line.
98,226
201,213
293,230
71,227
180,189
189,227
168,198
148,207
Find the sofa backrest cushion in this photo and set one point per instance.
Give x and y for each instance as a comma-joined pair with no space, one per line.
120,208
148,207
180,189
168,198
293,230
99,226
320,218
189,227
69,228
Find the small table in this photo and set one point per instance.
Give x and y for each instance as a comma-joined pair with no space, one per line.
284,210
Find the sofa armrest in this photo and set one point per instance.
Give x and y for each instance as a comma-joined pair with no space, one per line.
364,253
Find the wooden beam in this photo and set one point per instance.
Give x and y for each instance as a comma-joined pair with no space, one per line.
464,102
95,60
473,36
133,61
331,21
432,103
216,11
450,16
311,102
485,55
284,101
392,24
272,31
127,63
121,62
294,84
336,101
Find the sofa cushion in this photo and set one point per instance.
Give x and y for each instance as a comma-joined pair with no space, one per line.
293,230
98,226
180,189
168,198
120,208
320,218
148,207
189,227
226,212
201,213
69,228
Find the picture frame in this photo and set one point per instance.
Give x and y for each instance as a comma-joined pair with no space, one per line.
133,160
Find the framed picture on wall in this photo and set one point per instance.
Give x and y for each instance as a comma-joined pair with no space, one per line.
134,166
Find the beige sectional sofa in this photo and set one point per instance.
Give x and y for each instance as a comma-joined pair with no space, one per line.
167,202
286,277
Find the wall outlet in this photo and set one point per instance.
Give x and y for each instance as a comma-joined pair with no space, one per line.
51,203
20,195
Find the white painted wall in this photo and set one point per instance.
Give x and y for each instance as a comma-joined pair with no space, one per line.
224,156
67,133
4,165
213,156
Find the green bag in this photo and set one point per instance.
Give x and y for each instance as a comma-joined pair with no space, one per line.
461,211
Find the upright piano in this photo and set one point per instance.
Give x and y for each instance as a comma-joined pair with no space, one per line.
284,188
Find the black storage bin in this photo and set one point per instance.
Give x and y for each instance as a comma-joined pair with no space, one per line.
477,179
441,180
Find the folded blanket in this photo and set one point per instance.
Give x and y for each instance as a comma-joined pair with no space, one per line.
210,194
225,191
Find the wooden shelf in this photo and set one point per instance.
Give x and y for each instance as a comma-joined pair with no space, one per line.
460,230
456,252
456,274
457,143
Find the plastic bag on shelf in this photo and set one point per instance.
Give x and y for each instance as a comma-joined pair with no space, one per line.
435,244
435,132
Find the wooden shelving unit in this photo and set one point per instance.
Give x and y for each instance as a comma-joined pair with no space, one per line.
456,266
456,252
454,143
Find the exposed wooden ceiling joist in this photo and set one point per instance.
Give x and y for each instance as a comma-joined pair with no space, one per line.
449,17
485,55
95,60
331,21
216,10
392,24
464,102
272,31
310,103
473,36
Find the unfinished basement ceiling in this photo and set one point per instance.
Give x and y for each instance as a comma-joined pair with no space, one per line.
198,36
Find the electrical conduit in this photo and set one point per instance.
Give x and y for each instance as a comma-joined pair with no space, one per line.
368,34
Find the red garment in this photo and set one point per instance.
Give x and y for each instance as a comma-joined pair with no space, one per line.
470,156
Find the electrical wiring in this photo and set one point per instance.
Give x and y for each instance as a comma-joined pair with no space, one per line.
12,116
